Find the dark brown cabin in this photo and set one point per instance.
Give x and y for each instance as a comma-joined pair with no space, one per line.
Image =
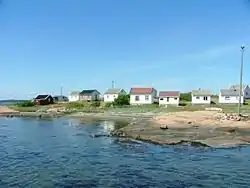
44,100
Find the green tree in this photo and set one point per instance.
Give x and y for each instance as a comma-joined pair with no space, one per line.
185,96
122,100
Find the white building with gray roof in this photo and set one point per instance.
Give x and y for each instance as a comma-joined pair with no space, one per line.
245,90
111,94
201,96
230,96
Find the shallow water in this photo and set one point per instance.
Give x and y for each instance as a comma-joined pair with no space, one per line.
63,153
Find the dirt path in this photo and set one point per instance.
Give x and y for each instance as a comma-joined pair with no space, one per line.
6,110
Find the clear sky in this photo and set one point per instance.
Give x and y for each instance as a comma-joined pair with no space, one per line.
84,44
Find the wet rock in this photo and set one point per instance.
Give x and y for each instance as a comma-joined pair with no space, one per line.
99,135
117,133
231,131
137,137
163,127
196,126
247,140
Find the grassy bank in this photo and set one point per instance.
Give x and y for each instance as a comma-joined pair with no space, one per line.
100,107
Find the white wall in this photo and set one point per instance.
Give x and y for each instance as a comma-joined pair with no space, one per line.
90,97
247,92
110,97
230,99
169,100
200,100
73,98
142,99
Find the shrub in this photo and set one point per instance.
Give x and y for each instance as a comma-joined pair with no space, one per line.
108,105
95,104
185,96
182,104
75,105
212,102
26,104
122,100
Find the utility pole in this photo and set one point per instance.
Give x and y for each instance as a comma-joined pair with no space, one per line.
61,90
241,76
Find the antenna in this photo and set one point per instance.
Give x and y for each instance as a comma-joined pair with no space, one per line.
113,84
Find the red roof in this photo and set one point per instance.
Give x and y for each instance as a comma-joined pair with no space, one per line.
169,94
141,91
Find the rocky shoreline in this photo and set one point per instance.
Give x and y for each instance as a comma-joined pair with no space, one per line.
200,128
216,133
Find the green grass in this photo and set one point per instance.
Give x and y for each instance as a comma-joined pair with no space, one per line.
87,107
25,109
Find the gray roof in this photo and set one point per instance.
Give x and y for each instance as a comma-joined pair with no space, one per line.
201,92
113,91
229,92
237,86
88,91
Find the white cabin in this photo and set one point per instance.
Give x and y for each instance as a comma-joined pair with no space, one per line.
230,96
89,95
169,98
140,96
111,94
201,96
245,90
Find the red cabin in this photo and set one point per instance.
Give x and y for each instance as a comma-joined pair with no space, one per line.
44,99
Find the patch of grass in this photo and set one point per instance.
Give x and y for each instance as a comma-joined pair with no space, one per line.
25,109
76,105
233,108
154,108
26,104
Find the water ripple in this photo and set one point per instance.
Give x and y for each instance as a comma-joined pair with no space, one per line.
42,153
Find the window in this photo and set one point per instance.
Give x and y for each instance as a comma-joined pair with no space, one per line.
205,98
167,99
197,97
175,98
161,99
137,98
227,98
246,93
107,96
146,97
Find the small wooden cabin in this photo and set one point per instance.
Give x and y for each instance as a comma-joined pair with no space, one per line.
44,100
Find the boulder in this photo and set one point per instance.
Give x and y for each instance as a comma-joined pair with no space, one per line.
163,127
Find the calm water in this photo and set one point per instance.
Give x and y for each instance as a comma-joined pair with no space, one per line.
62,153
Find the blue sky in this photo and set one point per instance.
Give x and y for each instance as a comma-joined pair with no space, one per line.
170,45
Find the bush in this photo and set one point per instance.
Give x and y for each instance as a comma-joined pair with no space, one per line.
108,105
75,105
95,104
26,104
212,102
185,96
182,104
122,100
